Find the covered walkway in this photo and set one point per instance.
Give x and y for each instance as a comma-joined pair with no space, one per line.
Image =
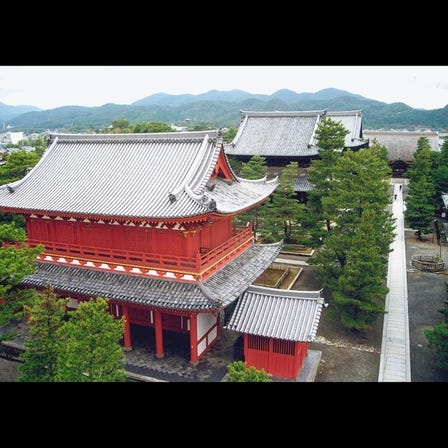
395,361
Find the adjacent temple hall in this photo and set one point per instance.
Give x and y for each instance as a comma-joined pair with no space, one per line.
145,220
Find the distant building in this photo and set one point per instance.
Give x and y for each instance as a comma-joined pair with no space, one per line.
401,146
14,137
286,136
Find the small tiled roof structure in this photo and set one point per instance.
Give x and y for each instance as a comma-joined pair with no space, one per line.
302,183
280,314
289,133
159,175
401,145
217,291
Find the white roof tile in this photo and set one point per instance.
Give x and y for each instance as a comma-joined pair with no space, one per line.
289,133
131,175
277,313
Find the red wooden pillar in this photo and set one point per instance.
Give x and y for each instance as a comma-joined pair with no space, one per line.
127,329
194,359
159,334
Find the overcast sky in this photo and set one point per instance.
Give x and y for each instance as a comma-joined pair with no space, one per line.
48,87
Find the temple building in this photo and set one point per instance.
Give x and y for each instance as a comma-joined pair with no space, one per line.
401,146
146,221
277,326
289,136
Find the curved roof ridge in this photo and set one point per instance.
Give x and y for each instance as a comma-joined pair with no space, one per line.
187,135
277,113
192,170
11,186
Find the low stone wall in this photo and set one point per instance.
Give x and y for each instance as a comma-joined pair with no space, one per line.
427,263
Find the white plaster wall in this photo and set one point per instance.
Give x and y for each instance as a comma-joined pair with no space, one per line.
205,322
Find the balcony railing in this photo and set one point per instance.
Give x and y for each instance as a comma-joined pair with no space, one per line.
204,258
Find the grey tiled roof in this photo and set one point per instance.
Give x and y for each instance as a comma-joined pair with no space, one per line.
352,121
277,313
402,145
164,175
217,291
302,183
290,133
274,134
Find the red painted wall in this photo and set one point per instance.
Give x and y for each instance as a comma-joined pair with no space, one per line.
276,356
131,238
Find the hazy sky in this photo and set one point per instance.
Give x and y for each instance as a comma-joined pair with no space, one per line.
48,87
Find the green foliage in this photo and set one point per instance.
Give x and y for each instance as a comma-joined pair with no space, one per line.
360,290
39,143
90,349
8,218
352,262
330,135
420,200
281,215
438,340
46,317
15,264
379,149
254,169
120,126
230,134
11,233
239,373
17,165
152,126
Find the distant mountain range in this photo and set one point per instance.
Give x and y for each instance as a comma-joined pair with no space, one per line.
218,108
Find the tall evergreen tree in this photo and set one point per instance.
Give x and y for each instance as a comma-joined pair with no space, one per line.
46,317
16,262
420,205
330,137
360,238
438,340
255,168
440,174
360,292
90,350
282,215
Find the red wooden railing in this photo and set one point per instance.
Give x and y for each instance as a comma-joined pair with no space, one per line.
202,260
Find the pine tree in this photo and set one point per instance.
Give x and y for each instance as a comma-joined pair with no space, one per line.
46,317
330,137
420,208
438,340
360,292
16,262
255,168
359,241
282,214
90,350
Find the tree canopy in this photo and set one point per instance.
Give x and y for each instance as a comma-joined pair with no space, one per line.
239,373
16,262
420,200
46,317
356,204
90,349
